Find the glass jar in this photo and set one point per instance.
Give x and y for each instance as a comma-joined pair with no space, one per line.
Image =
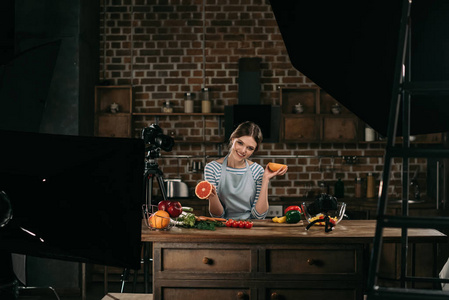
369,134
188,103
205,101
167,108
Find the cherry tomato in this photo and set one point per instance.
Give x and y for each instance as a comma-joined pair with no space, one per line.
248,224
236,224
242,224
229,222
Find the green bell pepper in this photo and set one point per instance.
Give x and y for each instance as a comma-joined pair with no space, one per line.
293,216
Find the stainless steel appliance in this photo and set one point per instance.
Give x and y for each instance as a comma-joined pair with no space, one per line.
176,188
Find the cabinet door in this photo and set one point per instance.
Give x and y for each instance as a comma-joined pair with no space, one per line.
300,128
339,129
113,125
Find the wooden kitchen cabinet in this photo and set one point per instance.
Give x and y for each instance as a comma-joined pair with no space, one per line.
107,123
339,129
227,271
300,128
316,122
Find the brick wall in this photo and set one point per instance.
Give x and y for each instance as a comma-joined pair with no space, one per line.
165,48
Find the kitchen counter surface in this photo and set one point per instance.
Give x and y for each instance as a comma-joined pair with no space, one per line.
347,231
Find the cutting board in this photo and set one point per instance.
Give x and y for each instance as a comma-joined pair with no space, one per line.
270,223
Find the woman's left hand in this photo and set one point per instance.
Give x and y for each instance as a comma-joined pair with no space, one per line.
270,174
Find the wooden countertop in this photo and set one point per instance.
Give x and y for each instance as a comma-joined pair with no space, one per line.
347,231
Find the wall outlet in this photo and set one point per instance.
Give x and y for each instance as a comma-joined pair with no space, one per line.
275,211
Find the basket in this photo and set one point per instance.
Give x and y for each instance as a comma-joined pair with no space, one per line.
153,220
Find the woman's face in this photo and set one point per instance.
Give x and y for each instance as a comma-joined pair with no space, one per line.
243,147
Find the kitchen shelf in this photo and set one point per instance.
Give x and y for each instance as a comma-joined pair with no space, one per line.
110,124
316,123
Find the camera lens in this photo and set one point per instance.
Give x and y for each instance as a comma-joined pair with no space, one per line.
164,142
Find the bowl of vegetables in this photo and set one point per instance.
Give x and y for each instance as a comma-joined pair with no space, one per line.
324,211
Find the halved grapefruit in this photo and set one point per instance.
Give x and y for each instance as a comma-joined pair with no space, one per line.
274,166
203,189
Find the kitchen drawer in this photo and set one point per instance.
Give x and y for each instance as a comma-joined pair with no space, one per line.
206,260
308,293
204,289
195,293
312,261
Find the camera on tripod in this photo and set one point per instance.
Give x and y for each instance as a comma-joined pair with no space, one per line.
156,140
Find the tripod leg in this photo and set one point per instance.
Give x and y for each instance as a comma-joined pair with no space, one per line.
160,180
124,278
149,190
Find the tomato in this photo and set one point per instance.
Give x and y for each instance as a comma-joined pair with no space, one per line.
242,224
248,224
236,224
292,207
229,223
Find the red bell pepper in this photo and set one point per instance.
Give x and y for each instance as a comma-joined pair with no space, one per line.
292,207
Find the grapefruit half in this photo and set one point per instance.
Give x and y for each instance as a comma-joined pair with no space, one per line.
203,189
274,166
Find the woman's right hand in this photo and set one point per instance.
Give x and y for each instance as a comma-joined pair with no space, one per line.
213,193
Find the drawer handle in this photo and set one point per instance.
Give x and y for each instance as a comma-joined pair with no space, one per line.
241,295
207,260
310,261
274,296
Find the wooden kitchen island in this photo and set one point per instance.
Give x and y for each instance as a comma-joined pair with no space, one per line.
266,262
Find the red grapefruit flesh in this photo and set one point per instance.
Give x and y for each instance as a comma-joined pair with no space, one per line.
203,189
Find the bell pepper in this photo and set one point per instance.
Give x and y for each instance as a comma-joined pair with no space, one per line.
293,216
292,207
279,220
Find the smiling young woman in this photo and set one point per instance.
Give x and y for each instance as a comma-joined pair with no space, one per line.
240,186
